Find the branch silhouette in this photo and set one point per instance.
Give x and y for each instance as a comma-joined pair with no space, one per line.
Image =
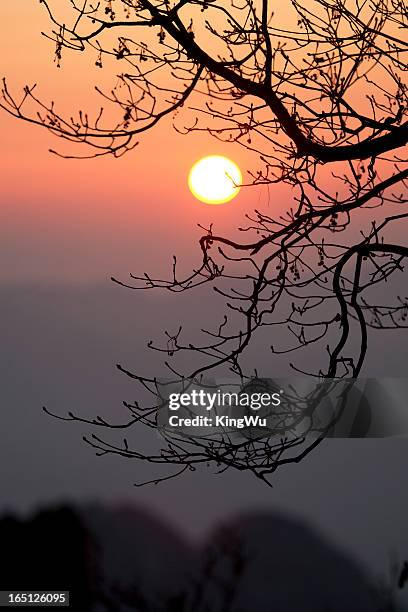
316,91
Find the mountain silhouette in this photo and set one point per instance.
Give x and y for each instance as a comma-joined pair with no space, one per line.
269,563
123,559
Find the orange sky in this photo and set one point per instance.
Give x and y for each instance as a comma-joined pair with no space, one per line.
65,220
71,220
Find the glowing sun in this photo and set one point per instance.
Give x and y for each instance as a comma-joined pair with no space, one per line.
215,179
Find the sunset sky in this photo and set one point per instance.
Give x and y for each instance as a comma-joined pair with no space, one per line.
73,220
66,226
82,220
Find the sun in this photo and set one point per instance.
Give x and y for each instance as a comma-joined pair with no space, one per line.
215,179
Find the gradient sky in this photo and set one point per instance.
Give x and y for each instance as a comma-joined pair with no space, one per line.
100,216
72,220
68,223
